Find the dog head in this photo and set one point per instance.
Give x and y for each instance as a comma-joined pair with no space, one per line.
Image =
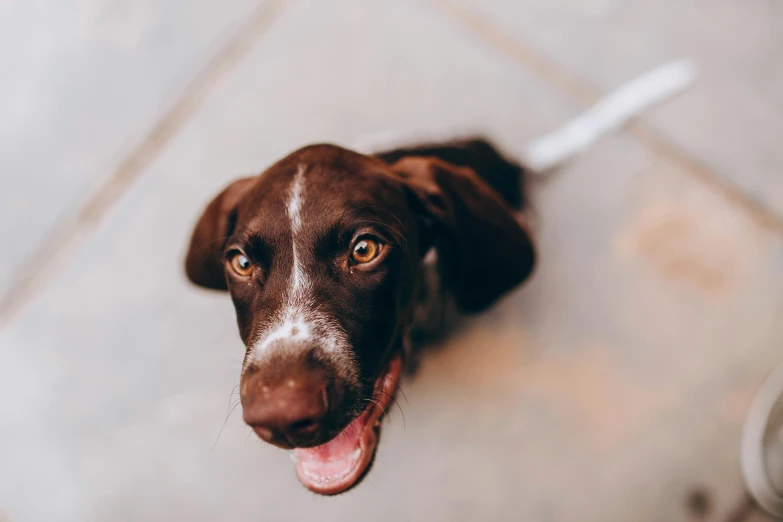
322,255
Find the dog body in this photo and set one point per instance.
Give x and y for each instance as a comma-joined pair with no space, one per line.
340,265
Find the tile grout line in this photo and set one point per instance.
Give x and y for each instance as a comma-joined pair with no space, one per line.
62,238
587,94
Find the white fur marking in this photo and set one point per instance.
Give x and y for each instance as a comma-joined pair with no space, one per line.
299,319
285,329
294,209
293,325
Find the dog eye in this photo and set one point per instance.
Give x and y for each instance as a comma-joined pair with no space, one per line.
365,250
240,264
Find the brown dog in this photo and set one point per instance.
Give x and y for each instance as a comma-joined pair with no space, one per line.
335,262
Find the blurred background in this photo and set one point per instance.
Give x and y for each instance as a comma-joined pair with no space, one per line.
612,387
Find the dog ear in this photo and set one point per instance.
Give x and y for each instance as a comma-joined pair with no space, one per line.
484,249
204,261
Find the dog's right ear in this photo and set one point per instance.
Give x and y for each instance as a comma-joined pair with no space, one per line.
204,261
485,250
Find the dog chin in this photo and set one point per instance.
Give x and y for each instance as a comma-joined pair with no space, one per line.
341,463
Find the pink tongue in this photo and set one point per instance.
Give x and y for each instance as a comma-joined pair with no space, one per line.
337,457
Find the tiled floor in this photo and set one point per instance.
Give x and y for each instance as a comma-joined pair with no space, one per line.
612,387
83,82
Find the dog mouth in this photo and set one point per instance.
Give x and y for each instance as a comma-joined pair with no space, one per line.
338,465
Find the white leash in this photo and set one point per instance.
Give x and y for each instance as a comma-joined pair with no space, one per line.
553,149
608,115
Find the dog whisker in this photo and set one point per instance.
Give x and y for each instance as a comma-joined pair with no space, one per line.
233,390
396,233
404,424
386,376
384,210
241,233
377,404
230,411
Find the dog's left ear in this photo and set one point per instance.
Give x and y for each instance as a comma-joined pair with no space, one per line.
486,250
204,261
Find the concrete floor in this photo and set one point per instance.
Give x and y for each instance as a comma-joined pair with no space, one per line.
612,387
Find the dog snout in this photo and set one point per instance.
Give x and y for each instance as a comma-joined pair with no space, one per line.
289,408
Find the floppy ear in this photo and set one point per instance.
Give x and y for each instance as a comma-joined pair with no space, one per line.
484,249
204,261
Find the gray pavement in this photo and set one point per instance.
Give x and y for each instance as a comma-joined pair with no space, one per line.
612,387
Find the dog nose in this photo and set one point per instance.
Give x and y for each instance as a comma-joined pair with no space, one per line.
288,412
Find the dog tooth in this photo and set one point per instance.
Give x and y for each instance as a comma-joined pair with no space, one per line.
356,454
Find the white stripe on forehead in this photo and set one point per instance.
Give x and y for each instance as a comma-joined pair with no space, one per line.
295,200
294,210
299,319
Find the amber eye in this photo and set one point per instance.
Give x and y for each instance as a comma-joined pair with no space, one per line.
241,264
365,250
